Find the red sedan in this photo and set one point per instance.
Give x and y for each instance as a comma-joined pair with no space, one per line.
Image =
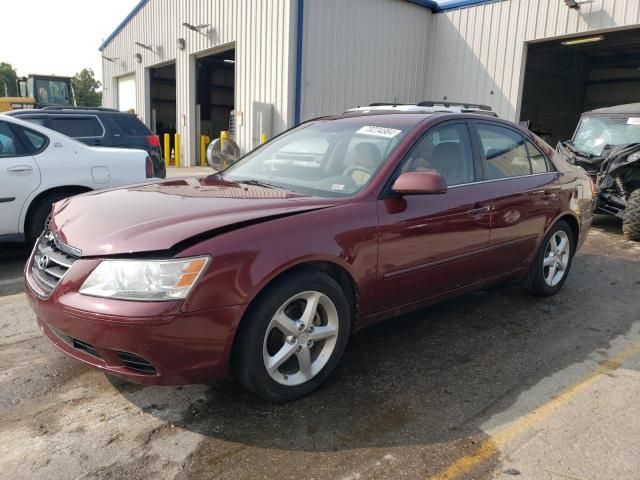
265,270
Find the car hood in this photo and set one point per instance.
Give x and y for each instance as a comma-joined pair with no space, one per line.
158,216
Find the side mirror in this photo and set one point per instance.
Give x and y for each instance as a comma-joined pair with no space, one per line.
420,183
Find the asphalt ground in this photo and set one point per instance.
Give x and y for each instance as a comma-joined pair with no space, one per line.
496,384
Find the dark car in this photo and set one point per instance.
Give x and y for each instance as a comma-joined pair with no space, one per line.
606,144
265,269
99,127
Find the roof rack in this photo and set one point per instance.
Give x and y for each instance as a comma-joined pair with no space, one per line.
388,104
444,103
61,107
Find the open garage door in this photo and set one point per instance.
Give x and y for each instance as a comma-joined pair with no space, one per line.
215,95
564,78
162,92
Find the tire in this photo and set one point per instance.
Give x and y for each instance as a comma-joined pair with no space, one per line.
262,339
546,280
38,216
631,219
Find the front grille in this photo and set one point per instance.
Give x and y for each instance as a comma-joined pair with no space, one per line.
136,363
51,261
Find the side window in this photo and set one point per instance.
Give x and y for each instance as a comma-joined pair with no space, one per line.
445,150
30,119
76,127
505,152
10,145
538,160
35,142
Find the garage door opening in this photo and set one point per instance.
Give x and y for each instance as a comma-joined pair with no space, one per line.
564,78
215,95
162,87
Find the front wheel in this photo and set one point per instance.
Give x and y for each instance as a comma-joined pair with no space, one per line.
292,337
552,263
631,219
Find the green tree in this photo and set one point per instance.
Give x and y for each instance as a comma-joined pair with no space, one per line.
8,77
86,88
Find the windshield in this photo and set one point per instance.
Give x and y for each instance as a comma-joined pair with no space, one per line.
53,92
594,133
328,158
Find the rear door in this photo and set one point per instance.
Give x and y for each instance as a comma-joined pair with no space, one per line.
19,173
85,128
525,192
431,244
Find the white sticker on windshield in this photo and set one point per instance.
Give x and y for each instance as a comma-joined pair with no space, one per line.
379,131
633,121
337,186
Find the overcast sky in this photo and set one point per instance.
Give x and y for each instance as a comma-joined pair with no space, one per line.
58,37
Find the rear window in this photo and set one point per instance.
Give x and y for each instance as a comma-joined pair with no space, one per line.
76,126
131,125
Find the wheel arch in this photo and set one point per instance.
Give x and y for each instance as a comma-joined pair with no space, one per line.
331,268
573,223
33,204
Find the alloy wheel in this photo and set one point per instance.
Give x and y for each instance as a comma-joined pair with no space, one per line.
300,338
556,258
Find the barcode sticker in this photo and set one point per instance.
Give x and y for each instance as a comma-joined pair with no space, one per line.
382,132
633,121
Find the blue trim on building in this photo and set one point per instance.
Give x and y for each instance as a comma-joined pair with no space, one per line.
444,5
299,45
123,24
433,5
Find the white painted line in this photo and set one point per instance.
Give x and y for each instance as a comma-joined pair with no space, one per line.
11,281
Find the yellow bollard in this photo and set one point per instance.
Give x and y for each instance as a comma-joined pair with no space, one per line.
176,149
263,138
167,149
204,142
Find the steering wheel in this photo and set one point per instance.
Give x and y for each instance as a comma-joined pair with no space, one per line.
348,172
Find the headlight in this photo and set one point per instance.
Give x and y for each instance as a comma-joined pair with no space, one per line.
153,280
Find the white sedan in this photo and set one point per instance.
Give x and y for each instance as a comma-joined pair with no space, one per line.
39,167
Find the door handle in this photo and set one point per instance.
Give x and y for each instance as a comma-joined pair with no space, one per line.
480,210
20,170
549,196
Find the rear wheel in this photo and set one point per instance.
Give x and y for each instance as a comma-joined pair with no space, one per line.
631,219
38,216
292,337
552,262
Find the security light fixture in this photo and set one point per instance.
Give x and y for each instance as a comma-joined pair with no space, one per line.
195,28
138,57
181,43
575,4
146,47
111,59
580,41
228,60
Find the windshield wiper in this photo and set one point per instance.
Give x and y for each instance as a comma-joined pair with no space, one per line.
259,183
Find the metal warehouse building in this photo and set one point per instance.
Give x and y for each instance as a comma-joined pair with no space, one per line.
197,67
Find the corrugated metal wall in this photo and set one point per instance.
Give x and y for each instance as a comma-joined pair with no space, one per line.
477,54
262,31
361,51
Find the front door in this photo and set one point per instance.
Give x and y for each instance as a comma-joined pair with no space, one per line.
19,176
430,244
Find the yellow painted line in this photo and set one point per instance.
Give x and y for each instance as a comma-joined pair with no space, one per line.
514,430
